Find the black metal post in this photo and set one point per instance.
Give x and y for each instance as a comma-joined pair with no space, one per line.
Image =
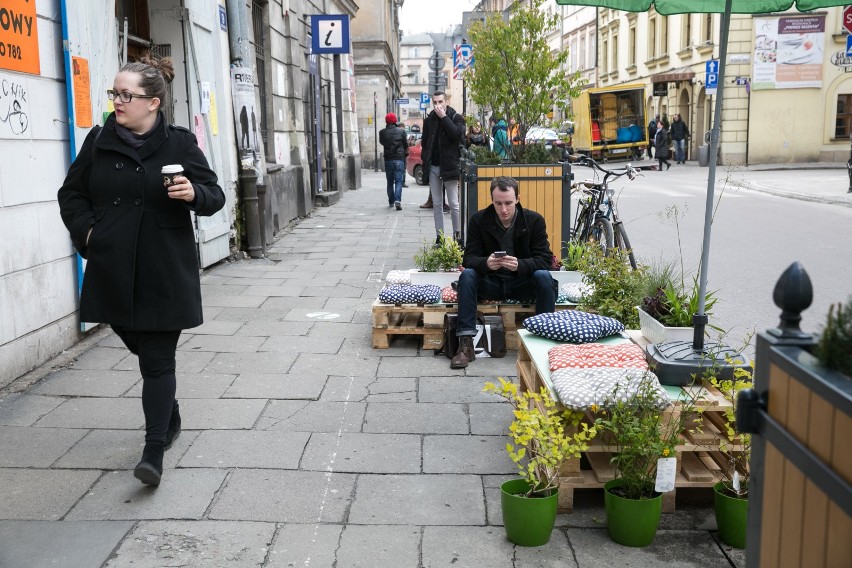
248,183
376,130
849,167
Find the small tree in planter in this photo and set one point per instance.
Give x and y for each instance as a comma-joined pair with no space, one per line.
835,345
515,73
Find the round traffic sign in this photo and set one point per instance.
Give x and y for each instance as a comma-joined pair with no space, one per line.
437,63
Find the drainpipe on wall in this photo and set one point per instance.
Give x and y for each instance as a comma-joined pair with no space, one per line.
238,41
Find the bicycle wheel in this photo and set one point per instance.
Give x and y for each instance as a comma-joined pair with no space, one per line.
623,243
602,234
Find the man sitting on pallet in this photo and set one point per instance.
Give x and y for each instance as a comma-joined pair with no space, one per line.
506,256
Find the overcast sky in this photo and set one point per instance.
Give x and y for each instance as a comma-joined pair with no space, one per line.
422,16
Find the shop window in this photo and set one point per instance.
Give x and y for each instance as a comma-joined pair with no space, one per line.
843,122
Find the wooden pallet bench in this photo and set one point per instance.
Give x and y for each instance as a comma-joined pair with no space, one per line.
701,461
427,321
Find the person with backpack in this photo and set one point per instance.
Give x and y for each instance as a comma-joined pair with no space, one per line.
652,131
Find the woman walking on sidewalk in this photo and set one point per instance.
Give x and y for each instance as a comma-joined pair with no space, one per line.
661,145
134,227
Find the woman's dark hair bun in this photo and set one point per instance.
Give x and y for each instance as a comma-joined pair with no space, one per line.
164,66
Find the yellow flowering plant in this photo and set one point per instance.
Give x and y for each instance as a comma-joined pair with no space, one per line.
543,435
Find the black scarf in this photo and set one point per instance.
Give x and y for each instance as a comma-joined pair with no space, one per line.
133,140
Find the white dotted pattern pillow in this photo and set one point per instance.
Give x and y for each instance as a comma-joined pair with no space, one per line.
574,292
573,326
398,277
580,389
624,356
410,294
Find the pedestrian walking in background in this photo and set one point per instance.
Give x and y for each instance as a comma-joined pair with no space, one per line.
395,144
443,133
135,229
500,138
661,146
680,134
652,131
476,137
404,179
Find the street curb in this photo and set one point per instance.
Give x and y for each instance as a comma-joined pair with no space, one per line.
793,195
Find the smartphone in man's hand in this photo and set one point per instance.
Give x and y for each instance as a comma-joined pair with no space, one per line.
499,254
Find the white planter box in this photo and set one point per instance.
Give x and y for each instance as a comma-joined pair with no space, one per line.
442,279
655,332
567,276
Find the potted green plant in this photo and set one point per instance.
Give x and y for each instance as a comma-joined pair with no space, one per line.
731,493
615,287
634,422
438,262
543,437
834,349
573,254
666,315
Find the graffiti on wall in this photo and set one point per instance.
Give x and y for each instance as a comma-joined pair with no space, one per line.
14,108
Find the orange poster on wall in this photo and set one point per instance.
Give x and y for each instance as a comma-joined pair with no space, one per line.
19,36
82,92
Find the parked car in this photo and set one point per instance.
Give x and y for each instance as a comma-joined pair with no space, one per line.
548,136
414,165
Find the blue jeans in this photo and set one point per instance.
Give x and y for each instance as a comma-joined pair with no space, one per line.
395,173
680,150
473,287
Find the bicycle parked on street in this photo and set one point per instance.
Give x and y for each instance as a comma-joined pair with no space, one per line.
597,218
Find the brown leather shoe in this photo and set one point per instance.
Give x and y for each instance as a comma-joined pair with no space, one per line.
464,356
428,204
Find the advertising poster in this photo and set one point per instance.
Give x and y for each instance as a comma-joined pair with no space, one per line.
788,52
19,36
245,115
82,92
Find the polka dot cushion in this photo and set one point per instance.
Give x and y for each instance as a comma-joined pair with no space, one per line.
580,389
521,302
572,326
410,294
574,292
449,296
398,277
587,355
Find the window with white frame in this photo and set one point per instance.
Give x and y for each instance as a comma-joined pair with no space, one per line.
631,46
652,37
605,57
686,31
614,65
582,62
664,36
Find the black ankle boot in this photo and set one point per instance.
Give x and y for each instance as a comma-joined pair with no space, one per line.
174,426
149,470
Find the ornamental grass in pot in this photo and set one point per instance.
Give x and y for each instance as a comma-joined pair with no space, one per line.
542,438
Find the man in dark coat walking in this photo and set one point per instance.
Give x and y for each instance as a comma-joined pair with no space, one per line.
680,133
652,131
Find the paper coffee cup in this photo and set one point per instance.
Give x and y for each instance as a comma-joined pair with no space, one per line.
169,172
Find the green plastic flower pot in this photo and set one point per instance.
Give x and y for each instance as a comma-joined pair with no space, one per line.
731,517
528,520
631,522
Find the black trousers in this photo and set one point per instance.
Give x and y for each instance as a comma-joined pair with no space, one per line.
156,352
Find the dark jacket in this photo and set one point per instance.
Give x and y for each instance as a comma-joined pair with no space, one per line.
679,131
661,144
530,241
448,133
395,142
142,270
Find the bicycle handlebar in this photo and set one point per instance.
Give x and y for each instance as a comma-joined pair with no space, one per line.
584,160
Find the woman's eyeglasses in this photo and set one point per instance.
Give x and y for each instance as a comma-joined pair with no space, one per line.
126,97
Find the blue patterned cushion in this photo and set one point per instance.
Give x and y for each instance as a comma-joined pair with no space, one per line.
574,292
410,294
579,389
572,326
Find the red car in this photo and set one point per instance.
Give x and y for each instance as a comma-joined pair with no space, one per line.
414,165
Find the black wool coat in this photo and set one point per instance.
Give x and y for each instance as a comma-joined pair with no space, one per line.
661,144
530,241
448,133
142,269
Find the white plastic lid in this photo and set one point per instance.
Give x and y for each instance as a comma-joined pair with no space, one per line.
172,169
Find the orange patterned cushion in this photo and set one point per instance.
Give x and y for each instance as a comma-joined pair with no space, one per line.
588,355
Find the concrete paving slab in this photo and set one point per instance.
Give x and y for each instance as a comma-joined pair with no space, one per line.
305,545
154,544
211,290
270,328
347,304
379,547
339,330
491,368
341,290
270,291
470,547
277,386
370,389
210,312
187,362
100,358
118,449
238,363
284,303
670,549
493,507
453,389
324,365
301,416
233,301
284,496
362,345
42,494
111,413
424,365
111,340
416,418
418,500
223,344
216,328
35,447
69,544
301,344
89,382
246,449
466,454
310,314
194,385
254,313
488,419
222,414
182,494
363,453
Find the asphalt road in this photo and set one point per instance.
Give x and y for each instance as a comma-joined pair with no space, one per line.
755,236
